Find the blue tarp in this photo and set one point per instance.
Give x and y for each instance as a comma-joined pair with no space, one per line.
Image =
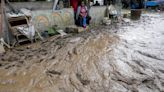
154,3
151,3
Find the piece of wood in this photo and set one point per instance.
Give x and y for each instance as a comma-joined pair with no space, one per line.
0,26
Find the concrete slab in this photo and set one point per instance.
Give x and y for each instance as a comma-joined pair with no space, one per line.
2,50
76,29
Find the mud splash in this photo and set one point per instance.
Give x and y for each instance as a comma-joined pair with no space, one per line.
125,59
69,64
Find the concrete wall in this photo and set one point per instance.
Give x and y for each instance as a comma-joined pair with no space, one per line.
97,13
44,18
33,5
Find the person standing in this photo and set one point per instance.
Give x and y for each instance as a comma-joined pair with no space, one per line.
74,4
97,4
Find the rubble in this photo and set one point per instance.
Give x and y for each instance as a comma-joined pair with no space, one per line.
2,50
106,21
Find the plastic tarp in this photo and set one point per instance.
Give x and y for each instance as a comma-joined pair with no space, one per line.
112,10
151,3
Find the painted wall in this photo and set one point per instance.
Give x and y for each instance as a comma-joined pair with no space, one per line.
45,18
42,13
42,5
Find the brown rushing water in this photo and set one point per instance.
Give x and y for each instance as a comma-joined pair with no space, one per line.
125,59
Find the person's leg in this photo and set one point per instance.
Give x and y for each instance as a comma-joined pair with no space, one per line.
80,21
84,22
88,19
76,22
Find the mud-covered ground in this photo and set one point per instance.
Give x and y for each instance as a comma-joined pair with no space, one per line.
128,57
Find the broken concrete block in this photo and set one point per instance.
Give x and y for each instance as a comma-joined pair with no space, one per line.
126,20
106,21
71,29
2,50
75,29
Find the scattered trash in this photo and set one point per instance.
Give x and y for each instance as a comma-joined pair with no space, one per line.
26,12
106,21
62,33
113,14
29,32
112,10
4,43
45,34
126,20
10,14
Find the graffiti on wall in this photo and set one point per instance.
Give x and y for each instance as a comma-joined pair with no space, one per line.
60,18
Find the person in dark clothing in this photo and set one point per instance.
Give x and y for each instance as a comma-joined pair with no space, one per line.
74,4
136,4
97,4
125,3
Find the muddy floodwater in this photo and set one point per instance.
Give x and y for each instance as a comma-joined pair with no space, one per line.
128,57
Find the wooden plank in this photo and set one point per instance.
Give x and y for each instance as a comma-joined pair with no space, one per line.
0,25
